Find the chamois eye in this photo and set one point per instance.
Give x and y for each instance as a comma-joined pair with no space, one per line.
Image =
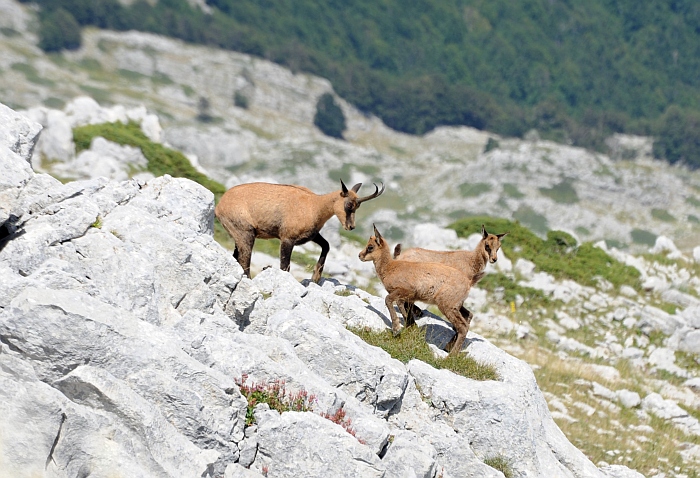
488,248
370,248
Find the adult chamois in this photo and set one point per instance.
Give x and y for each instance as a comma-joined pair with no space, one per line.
429,282
472,263
292,214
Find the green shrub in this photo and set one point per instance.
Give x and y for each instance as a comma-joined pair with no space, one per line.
640,236
58,30
241,100
491,144
161,160
558,255
329,117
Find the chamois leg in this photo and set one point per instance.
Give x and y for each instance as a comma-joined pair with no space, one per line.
460,323
244,238
325,247
243,251
286,247
395,323
410,311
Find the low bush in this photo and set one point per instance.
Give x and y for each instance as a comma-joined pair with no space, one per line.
276,395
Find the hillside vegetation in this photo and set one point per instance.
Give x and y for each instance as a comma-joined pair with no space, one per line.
574,71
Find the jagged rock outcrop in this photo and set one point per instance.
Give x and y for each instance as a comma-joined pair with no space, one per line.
124,328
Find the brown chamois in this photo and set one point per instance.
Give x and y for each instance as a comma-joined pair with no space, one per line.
472,263
292,214
429,282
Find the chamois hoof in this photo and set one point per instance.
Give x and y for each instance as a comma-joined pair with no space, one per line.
396,333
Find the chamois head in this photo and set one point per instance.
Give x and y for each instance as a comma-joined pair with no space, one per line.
492,242
373,247
348,202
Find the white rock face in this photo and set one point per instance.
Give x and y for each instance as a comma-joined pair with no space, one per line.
124,327
103,159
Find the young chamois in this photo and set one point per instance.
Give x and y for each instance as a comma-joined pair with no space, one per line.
472,263
292,214
429,282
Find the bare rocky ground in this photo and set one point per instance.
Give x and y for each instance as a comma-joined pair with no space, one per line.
619,370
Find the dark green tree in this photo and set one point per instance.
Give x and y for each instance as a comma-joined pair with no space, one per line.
678,137
59,31
329,117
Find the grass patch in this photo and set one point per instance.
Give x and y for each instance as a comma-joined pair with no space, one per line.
532,219
161,160
9,32
640,236
131,75
54,103
693,201
31,74
99,95
98,223
511,190
501,464
500,284
563,193
353,237
606,433
411,344
662,215
469,190
558,255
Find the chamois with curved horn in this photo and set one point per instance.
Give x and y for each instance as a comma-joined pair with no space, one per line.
429,282
292,214
472,263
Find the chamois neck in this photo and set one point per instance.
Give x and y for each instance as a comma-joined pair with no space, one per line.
382,261
480,258
326,209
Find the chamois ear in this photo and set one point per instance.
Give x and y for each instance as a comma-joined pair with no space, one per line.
344,188
483,231
397,251
357,187
378,236
500,236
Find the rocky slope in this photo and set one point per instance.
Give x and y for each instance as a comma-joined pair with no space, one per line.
619,368
626,197
124,327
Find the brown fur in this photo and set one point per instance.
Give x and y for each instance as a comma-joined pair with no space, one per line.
429,282
472,263
292,214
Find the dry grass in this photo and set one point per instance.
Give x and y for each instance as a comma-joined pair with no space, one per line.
604,431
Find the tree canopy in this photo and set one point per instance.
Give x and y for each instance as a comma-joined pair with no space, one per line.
575,71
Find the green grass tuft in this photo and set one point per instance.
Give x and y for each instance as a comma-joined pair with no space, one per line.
501,464
411,344
161,160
